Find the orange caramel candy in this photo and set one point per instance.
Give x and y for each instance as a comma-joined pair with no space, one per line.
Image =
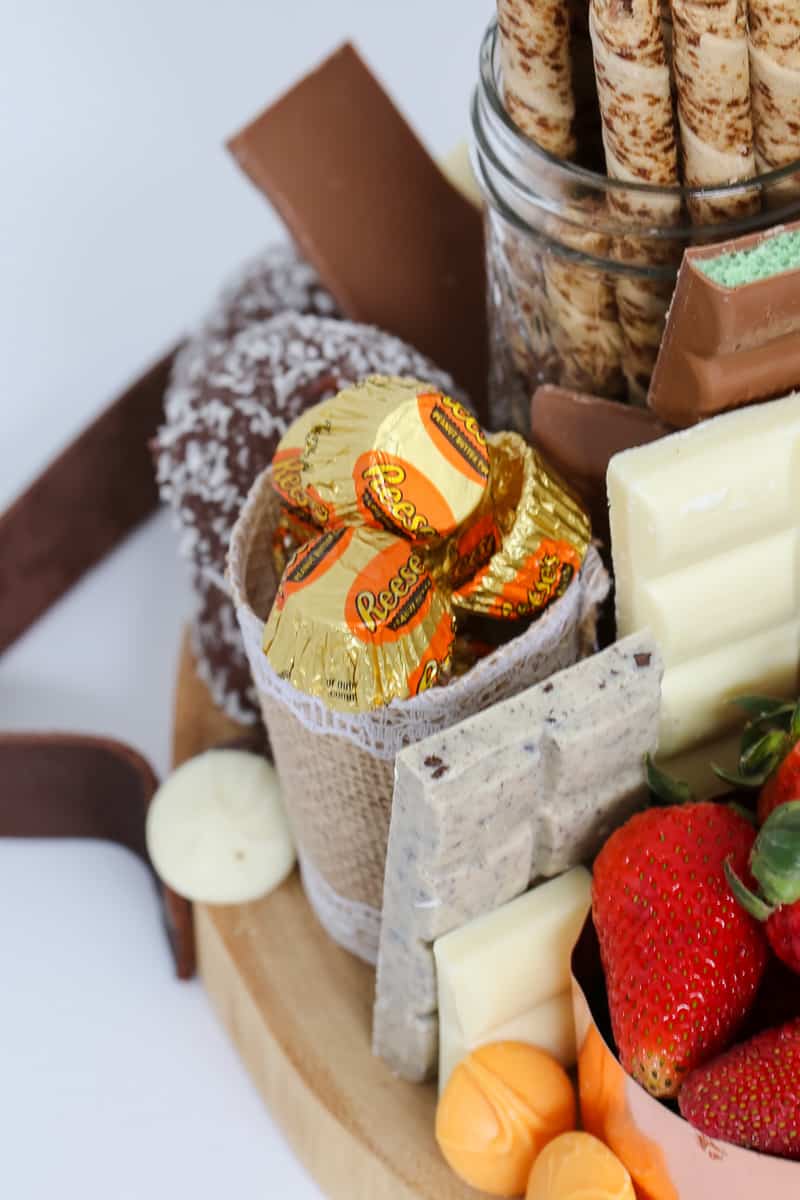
502,1105
576,1166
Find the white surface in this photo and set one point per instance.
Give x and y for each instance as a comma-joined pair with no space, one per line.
119,214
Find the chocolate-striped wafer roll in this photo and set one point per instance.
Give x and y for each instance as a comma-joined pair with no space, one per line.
633,83
584,320
537,71
775,79
712,74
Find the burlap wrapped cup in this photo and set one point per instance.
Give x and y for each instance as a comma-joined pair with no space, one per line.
337,769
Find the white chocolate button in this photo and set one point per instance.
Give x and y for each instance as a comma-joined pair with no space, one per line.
216,829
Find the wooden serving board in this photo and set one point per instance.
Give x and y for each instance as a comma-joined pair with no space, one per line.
299,1011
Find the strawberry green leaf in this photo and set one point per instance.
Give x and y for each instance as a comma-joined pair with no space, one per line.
775,861
666,790
749,901
765,754
794,728
740,781
762,706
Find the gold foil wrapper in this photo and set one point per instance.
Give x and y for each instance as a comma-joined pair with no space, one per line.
390,453
457,560
290,533
545,535
359,621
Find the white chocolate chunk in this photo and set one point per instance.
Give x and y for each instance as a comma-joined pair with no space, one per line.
457,166
216,829
508,972
524,790
705,534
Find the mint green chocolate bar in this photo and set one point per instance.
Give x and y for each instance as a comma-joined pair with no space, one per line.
776,254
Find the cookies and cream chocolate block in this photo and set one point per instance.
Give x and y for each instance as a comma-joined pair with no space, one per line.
524,790
705,535
506,975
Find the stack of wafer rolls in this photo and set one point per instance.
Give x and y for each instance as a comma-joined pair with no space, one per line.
775,77
712,76
578,302
633,83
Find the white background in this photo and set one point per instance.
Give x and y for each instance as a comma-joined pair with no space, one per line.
119,215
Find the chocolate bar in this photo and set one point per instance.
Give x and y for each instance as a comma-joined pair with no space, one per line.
393,241
62,785
579,434
733,331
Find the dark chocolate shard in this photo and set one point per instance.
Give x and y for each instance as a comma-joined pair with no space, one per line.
393,241
69,786
727,346
86,501
643,660
580,434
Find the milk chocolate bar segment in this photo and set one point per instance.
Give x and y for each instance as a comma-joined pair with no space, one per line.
61,785
395,243
579,434
94,494
726,346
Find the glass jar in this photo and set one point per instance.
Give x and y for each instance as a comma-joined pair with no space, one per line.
580,267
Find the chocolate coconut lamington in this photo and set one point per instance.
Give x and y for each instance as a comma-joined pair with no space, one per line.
228,406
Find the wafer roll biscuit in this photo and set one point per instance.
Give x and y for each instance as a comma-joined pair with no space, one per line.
775,80
583,316
537,71
633,83
712,74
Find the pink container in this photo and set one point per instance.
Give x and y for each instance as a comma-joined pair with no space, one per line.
666,1157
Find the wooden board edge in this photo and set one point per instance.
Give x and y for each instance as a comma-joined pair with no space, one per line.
341,1165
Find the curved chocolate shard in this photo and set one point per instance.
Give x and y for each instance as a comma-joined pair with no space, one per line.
47,539
66,785
393,241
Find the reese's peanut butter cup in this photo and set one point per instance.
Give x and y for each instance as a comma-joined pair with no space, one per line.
287,476
396,454
542,547
290,533
462,555
359,621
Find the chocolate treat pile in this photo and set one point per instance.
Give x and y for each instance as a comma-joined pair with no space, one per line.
231,400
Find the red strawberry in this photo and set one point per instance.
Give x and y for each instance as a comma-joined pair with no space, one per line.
682,961
751,1095
775,864
782,786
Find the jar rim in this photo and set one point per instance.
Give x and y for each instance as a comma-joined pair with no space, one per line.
572,173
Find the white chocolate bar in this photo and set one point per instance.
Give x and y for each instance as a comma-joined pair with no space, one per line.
523,791
506,975
705,536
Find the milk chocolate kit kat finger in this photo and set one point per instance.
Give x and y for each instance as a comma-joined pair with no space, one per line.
733,333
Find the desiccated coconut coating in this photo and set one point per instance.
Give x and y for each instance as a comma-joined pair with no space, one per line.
219,651
230,406
273,282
